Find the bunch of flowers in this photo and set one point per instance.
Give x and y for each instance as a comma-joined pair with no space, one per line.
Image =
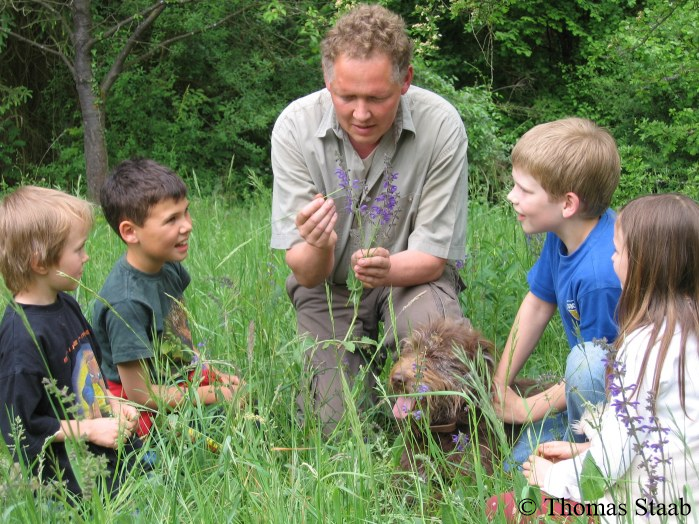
648,434
374,217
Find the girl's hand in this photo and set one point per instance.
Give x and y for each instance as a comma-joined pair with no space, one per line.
127,415
107,432
561,450
535,470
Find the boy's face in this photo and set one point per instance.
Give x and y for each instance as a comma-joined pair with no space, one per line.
535,211
163,237
620,258
71,262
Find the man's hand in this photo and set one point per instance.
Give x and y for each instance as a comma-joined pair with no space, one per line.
316,223
371,266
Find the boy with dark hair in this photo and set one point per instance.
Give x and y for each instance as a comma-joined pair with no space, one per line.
44,336
565,173
140,323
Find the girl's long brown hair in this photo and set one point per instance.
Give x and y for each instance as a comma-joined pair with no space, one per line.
660,234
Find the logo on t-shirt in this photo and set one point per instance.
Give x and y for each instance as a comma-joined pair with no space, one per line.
88,384
572,308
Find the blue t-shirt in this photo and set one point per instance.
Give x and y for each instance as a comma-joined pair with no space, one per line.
583,284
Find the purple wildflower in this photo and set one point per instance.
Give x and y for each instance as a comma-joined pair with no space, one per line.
647,433
423,388
461,440
417,414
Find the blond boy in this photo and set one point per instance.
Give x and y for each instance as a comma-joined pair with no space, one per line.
44,335
564,173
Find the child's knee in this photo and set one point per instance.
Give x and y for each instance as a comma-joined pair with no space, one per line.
586,362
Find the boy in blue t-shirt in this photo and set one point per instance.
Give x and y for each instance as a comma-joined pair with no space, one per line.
565,173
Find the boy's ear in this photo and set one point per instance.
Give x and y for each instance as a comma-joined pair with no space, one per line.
571,204
38,267
127,230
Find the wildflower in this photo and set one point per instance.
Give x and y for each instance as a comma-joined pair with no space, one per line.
461,440
423,388
374,218
646,431
417,414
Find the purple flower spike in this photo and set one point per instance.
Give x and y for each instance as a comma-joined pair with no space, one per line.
461,440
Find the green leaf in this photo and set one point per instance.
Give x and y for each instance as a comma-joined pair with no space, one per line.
398,447
592,481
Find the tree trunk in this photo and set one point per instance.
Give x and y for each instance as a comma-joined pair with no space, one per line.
91,103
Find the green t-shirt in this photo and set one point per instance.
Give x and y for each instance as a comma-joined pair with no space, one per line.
145,320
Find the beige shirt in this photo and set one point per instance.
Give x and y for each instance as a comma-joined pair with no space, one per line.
426,147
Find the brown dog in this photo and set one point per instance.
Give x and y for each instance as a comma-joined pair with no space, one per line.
448,355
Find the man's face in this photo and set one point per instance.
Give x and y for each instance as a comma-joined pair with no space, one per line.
366,98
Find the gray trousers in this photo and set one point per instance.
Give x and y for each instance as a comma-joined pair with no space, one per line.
325,362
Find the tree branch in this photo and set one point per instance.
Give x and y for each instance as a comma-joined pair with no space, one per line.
118,65
112,30
65,23
660,22
182,36
43,47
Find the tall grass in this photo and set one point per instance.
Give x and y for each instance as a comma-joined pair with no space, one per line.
269,467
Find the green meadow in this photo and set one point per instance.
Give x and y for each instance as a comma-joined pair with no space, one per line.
268,467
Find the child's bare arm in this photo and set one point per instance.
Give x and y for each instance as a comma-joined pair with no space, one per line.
561,450
530,322
103,431
139,389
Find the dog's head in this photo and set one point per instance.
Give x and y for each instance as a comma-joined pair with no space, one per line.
436,358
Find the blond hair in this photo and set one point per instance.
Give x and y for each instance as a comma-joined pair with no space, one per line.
364,32
571,155
34,226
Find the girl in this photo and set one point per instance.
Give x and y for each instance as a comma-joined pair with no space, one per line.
643,455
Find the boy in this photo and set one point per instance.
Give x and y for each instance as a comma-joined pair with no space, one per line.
43,335
565,173
140,323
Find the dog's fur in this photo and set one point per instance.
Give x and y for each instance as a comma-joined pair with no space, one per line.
448,355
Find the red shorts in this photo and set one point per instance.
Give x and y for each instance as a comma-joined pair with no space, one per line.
145,421
568,511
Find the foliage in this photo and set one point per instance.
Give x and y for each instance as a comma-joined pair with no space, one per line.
642,83
487,157
205,105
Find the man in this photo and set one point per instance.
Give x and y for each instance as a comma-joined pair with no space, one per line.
368,121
